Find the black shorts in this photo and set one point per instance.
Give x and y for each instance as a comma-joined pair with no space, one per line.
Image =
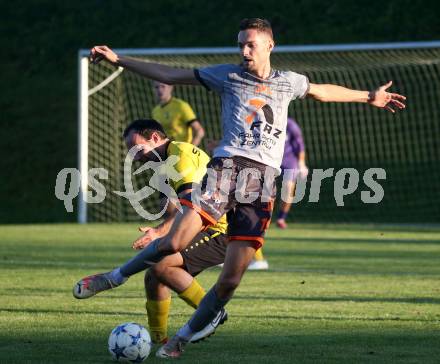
206,250
240,187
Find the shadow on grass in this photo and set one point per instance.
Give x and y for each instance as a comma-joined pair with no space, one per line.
92,311
415,300
345,318
47,292
247,346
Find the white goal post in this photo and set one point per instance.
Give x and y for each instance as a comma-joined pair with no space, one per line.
410,64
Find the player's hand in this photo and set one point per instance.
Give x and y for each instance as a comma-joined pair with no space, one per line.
98,53
386,100
150,234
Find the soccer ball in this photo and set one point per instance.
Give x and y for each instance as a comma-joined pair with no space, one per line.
129,343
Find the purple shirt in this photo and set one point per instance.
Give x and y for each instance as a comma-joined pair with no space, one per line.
294,145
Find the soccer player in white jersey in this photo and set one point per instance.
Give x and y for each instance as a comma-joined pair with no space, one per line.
255,98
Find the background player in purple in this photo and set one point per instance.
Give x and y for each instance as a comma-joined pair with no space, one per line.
293,167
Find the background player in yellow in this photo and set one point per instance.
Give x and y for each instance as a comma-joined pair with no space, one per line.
176,116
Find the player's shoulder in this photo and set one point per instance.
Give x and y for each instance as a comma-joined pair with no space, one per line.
180,106
184,148
178,102
176,148
156,108
288,74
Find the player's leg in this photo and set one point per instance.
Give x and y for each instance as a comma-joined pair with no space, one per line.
170,272
286,202
259,254
207,250
259,262
157,306
183,230
238,256
247,225
187,225
177,271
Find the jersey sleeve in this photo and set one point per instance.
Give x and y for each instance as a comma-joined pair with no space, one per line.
299,83
213,77
191,166
186,169
188,114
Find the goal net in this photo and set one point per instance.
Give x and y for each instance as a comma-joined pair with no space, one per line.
336,135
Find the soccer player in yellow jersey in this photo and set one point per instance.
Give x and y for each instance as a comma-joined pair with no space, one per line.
176,116
208,248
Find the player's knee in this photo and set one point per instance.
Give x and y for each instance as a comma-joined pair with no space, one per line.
172,244
157,271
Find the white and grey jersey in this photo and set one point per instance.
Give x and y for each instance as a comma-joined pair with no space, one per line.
254,111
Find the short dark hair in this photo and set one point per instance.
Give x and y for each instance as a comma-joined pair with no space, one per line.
262,25
145,127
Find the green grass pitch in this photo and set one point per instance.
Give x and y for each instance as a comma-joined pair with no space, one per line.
334,294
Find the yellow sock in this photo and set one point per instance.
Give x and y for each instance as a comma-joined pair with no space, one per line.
193,294
157,312
259,254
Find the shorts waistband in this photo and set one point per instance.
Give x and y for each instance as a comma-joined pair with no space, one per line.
244,162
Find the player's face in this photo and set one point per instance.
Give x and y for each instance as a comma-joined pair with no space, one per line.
146,146
163,92
255,48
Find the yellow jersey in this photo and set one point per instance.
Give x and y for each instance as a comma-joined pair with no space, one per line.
175,117
191,166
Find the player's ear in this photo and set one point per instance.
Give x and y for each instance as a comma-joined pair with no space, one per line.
271,45
155,137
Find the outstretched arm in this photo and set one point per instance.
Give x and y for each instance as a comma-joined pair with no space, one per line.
380,97
153,71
